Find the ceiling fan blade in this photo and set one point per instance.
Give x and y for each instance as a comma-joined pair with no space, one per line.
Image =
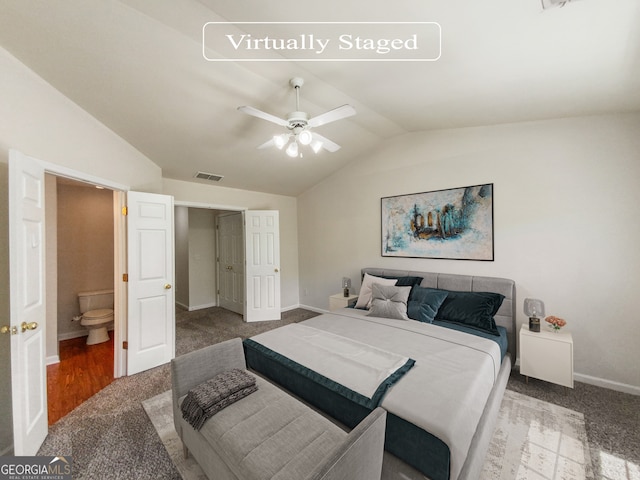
267,144
263,115
332,115
326,143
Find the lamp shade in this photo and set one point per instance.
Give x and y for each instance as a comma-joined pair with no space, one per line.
533,307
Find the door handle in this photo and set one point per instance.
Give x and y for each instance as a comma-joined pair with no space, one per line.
9,329
276,270
167,286
28,326
229,267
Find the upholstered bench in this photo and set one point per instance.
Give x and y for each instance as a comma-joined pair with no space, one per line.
269,434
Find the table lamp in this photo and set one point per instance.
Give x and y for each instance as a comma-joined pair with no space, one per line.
534,309
346,285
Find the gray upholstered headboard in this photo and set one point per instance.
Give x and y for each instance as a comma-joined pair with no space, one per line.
505,317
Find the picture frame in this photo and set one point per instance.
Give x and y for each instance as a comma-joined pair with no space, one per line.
453,224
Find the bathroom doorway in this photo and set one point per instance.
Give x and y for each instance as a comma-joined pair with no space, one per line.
80,257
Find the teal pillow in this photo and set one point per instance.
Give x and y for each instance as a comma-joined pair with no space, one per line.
473,309
424,303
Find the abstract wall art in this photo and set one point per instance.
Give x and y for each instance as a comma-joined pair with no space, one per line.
456,223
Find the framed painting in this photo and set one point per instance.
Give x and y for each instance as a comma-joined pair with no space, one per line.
452,224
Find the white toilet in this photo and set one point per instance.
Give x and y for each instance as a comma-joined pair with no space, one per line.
96,308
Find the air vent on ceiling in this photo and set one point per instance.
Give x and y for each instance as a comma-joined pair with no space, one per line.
212,177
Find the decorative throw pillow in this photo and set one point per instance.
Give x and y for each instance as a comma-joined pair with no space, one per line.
364,298
389,301
405,281
473,309
424,303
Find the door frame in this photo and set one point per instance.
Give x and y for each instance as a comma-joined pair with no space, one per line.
212,206
119,255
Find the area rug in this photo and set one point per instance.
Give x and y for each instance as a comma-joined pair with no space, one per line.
537,440
533,440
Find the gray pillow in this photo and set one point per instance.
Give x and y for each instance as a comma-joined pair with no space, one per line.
389,301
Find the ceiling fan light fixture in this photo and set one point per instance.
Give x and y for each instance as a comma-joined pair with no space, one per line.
292,149
316,146
305,137
280,141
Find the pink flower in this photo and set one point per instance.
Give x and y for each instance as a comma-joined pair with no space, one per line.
556,322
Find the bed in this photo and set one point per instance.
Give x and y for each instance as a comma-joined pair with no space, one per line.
442,382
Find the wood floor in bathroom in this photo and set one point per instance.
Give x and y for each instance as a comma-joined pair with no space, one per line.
83,371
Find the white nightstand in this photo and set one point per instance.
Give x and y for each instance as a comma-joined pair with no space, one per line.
340,301
547,355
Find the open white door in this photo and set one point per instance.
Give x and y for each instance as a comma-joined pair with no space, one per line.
262,252
27,291
150,259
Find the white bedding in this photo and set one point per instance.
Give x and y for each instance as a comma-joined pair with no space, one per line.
445,392
344,360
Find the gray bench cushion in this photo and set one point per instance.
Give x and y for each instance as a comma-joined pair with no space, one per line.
269,434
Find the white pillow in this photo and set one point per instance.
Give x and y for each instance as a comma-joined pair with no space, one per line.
364,298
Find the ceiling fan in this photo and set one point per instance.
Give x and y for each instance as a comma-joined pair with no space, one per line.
299,125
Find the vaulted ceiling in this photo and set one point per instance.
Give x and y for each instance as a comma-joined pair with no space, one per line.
138,67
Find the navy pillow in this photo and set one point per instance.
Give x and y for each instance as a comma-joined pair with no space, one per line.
424,303
473,309
404,281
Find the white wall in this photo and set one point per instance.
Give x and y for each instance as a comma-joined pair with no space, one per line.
51,266
202,258
85,250
181,222
237,199
566,195
42,123
6,418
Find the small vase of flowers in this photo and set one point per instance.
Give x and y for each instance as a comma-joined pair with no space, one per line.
555,322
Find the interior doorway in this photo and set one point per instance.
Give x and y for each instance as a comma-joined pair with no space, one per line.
209,244
80,252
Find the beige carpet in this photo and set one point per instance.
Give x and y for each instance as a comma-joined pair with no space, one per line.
533,440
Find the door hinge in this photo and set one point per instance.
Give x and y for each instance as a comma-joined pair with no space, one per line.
125,211
125,345
125,277
218,292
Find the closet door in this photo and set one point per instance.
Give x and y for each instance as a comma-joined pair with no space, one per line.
231,262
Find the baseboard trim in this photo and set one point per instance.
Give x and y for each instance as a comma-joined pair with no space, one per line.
202,307
77,334
53,359
70,335
610,384
314,309
601,382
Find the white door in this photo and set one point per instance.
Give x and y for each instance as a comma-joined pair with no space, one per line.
27,293
231,262
150,260
262,251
